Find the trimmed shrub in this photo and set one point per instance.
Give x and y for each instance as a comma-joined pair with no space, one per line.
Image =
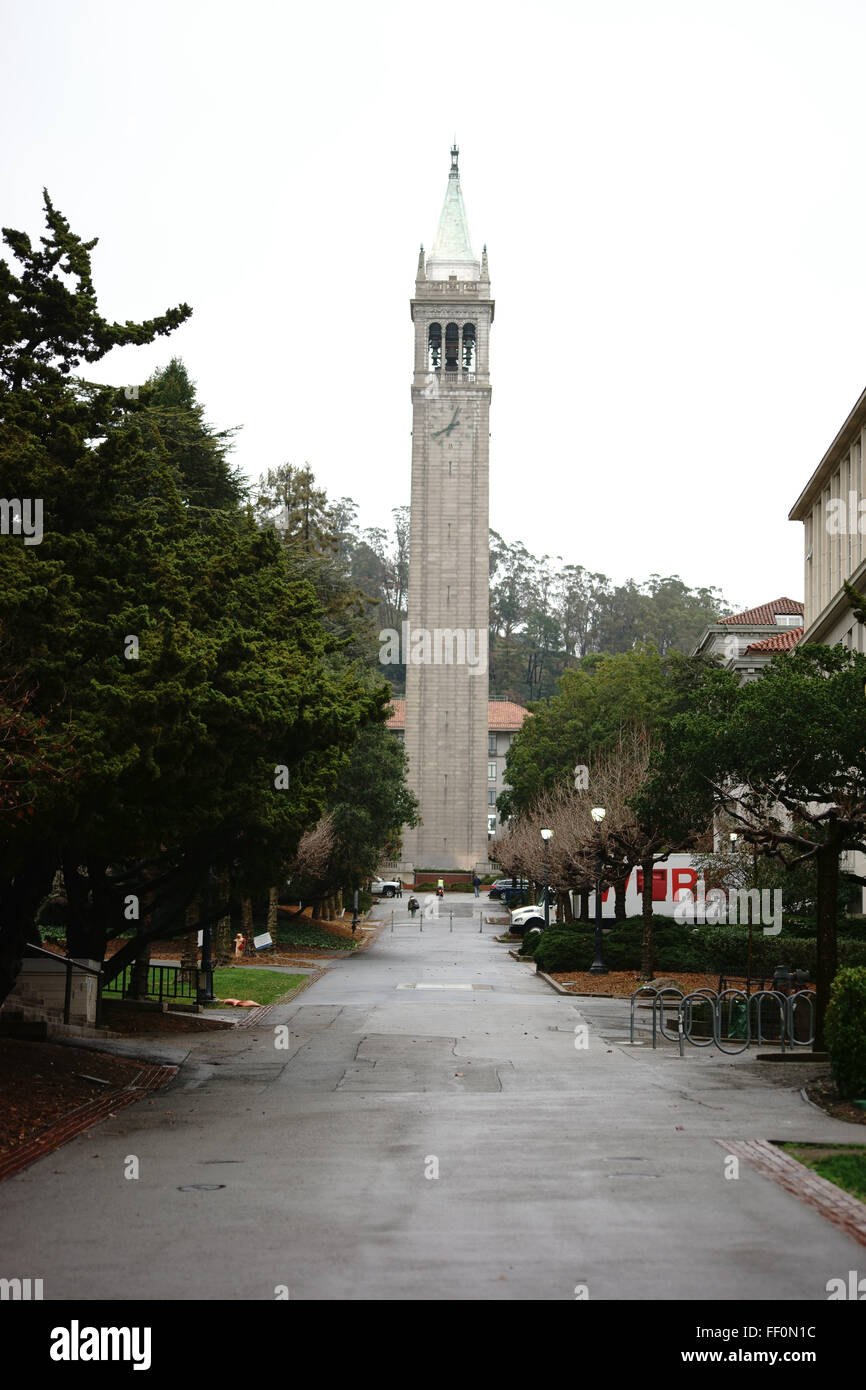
564,948
852,953
678,948
845,1032
530,941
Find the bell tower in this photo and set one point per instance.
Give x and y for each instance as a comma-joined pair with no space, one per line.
445,639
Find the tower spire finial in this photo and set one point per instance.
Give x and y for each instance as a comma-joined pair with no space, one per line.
455,172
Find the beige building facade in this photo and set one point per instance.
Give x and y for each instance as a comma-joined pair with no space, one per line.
832,508
445,639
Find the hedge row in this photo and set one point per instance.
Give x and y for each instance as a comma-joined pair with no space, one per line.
713,949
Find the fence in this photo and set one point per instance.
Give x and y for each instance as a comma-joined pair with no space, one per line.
164,982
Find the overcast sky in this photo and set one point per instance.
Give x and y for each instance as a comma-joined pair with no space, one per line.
671,194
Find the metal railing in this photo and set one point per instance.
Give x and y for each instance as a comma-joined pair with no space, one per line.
164,982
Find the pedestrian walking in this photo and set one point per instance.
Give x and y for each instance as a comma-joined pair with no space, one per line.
476,884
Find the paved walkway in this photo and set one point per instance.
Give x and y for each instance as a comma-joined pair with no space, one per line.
433,1052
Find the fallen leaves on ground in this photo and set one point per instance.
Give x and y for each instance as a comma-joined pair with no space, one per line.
40,1082
824,1092
623,983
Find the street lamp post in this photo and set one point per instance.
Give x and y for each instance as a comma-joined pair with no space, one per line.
598,966
545,835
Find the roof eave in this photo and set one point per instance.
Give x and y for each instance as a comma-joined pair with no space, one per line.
825,468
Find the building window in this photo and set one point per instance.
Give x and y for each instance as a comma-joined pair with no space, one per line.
491,743
434,347
491,825
491,797
491,772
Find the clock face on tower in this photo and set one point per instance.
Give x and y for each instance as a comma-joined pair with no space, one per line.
450,422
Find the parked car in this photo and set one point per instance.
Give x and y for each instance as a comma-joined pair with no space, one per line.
387,887
522,918
505,885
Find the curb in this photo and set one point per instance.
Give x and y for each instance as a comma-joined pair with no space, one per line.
554,984
835,1205
819,1058
260,1014
150,1078
814,1104
561,989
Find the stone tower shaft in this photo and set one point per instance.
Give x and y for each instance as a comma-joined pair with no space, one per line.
445,646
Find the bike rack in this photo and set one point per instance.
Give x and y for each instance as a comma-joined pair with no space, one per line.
684,1026
809,996
656,993
787,1005
781,1000
717,1022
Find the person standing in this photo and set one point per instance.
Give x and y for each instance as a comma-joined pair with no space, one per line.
476,884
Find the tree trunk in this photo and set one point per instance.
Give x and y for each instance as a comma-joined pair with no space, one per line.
273,895
619,899
139,974
247,925
827,950
584,905
189,952
222,934
564,912
646,955
88,921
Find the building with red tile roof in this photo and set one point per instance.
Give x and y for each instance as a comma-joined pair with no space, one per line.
783,642
766,613
746,641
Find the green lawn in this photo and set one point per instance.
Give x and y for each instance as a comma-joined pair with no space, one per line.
842,1164
265,986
